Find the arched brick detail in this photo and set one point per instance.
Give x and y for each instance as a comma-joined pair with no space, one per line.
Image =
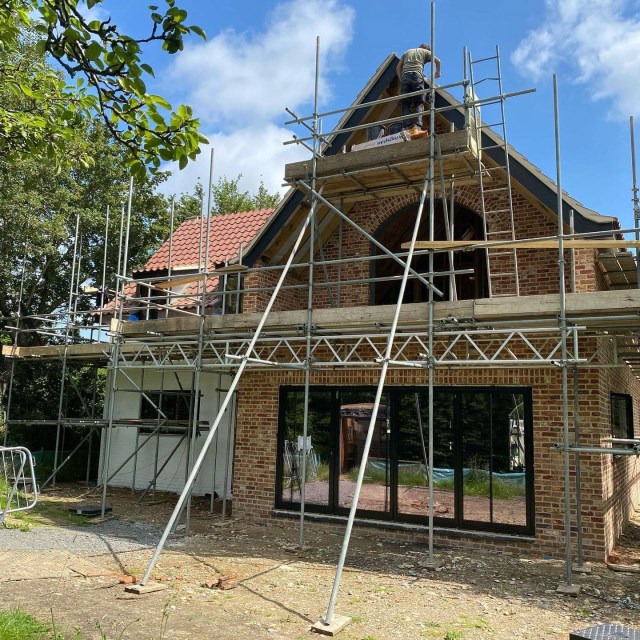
538,269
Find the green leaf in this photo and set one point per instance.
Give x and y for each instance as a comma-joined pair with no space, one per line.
198,31
148,68
160,101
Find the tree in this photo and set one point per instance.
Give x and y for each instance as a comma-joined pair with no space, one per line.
39,207
40,111
226,197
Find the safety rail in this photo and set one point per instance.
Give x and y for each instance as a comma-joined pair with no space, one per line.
18,487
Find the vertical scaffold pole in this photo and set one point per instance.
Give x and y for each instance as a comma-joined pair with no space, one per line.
576,431
634,198
115,352
63,374
431,359
309,327
170,255
563,333
201,328
103,295
328,619
7,413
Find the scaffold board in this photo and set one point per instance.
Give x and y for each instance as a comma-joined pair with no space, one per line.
522,244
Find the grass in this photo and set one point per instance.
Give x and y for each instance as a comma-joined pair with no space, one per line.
321,475
16,624
45,513
476,483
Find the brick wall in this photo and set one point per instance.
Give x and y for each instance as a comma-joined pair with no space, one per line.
604,505
538,269
609,486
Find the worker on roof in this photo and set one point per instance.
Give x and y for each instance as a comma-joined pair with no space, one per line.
410,72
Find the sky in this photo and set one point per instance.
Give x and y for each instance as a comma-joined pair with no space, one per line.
259,58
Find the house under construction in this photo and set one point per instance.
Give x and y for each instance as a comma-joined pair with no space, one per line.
426,336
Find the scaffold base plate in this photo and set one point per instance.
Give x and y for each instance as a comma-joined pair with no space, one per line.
337,625
569,589
581,568
606,632
150,587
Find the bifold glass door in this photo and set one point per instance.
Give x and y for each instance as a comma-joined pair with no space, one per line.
482,454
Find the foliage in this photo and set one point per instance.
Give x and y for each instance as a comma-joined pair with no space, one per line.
16,624
39,110
36,256
226,197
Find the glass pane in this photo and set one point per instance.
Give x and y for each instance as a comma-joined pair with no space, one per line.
317,450
355,415
621,421
508,485
476,455
413,443
493,446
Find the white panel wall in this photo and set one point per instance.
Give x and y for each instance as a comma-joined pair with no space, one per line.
172,478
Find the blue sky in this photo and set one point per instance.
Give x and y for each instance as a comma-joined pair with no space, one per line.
259,59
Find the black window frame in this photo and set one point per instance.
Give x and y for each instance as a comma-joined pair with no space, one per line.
173,403
628,401
393,515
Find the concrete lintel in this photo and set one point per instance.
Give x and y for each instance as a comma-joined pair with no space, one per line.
337,625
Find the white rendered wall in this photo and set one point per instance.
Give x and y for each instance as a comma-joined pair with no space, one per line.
172,478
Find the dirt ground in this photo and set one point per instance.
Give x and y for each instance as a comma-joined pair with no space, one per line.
386,589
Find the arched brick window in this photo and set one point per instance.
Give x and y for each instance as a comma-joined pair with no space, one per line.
397,229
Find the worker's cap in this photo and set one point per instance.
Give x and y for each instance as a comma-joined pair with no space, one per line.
425,46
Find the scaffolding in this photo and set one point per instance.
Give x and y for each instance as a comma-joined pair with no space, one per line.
192,341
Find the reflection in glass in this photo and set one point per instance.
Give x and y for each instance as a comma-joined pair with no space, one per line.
317,449
356,409
493,457
413,455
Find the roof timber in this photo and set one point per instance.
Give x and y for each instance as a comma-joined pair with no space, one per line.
599,310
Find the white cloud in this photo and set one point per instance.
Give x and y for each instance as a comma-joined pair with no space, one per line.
248,78
257,156
240,83
97,12
598,39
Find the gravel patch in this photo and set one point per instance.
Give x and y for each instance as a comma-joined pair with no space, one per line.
113,536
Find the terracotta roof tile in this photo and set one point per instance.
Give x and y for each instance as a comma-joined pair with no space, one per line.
228,231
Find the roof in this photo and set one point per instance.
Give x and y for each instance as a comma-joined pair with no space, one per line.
227,234
529,176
